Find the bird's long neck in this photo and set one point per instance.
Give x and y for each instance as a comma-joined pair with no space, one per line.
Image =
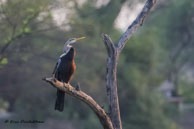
66,50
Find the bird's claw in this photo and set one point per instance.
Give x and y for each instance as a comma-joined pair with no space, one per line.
53,77
68,87
78,87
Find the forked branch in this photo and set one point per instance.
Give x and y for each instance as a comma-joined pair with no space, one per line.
114,51
136,23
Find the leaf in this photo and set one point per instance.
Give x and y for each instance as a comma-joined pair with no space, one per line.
7,40
27,30
4,61
25,22
31,10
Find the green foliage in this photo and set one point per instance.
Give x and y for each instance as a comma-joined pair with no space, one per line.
186,89
142,66
14,26
26,30
4,61
143,107
176,41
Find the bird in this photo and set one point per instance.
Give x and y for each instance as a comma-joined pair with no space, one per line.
64,69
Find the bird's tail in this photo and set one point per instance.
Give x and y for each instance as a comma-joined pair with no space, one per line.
59,105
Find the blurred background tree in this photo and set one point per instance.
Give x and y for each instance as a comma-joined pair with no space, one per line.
31,41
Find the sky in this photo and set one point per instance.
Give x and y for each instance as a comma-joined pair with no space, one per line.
124,19
127,15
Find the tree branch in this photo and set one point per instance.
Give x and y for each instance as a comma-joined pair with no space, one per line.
136,23
110,47
67,88
111,82
112,61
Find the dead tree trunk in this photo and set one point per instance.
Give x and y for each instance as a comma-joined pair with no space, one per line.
114,51
112,120
111,83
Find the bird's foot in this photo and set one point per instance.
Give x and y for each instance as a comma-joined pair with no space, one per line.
108,113
53,78
69,88
78,87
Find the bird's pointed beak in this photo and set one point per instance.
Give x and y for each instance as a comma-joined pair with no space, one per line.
79,38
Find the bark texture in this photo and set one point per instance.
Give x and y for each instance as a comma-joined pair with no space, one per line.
103,117
113,51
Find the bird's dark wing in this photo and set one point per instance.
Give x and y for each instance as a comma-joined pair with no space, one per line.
54,71
66,68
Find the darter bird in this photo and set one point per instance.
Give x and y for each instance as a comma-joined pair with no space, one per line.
64,69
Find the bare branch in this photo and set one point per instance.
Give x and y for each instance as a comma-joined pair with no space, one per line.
112,61
109,44
111,82
103,117
136,23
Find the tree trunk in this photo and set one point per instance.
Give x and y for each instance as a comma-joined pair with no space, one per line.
111,84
